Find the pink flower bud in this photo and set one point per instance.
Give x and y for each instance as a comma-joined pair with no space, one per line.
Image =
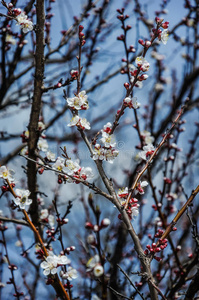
126,85
141,42
88,225
81,28
165,25
81,35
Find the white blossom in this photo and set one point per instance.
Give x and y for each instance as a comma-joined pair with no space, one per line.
77,121
51,263
71,273
135,104
111,154
24,151
94,265
90,239
43,214
123,193
42,144
72,166
134,211
92,262
84,124
25,24
86,173
157,55
98,270
164,36
148,138
51,220
5,173
98,152
74,121
142,63
50,156
106,222
10,39
107,127
108,140
140,186
22,198
59,164
41,126
131,102
147,151
78,102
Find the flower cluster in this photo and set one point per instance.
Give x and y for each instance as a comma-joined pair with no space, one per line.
42,143
106,152
70,274
147,152
73,169
79,122
139,188
142,63
144,66
94,265
25,24
133,206
79,102
46,217
147,137
52,262
131,102
21,196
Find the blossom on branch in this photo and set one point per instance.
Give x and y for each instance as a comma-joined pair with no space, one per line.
107,127
94,265
42,144
108,140
147,151
164,36
132,102
78,102
10,39
142,63
139,187
25,24
147,137
81,123
71,273
52,262
6,174
22,198
59,164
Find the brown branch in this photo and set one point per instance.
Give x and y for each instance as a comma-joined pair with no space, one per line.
152,157
179,214
145,262
16,221
35,110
